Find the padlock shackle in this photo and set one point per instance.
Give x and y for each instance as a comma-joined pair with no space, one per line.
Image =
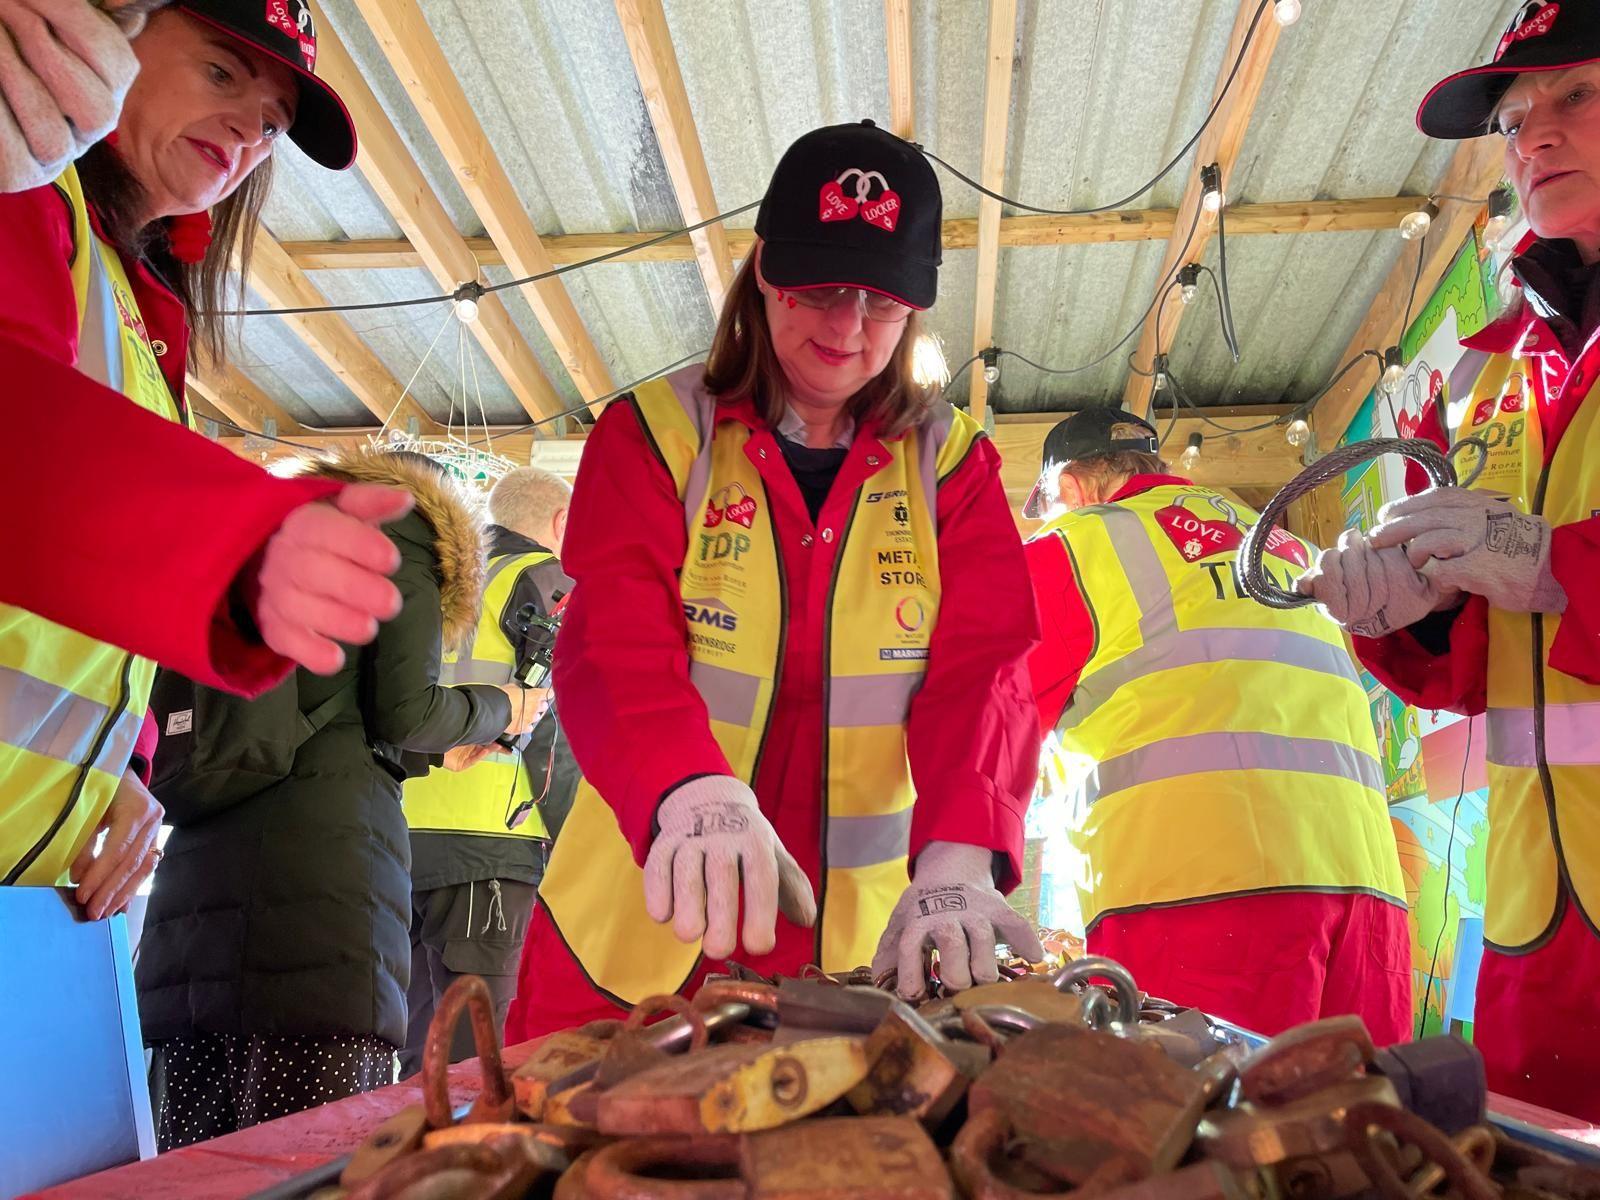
494,1103
1082,970
622,1170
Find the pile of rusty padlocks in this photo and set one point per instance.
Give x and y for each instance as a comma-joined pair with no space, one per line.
1042,1084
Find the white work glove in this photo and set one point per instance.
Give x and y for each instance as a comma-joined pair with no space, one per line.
1476,542
713,836
953,906
1372,591
65,67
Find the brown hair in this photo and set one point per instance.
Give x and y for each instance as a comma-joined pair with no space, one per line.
1100,475
743,363
203,287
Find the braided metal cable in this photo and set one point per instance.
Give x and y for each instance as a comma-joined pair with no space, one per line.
1247,568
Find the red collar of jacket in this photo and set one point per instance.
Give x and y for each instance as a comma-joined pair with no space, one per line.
166,324
1143,483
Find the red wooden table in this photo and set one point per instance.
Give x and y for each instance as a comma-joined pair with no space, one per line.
241,1164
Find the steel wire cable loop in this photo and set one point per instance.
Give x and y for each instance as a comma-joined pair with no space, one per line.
1247,568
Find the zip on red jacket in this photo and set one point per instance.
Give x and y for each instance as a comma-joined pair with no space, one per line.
1456,679
118,523
639,728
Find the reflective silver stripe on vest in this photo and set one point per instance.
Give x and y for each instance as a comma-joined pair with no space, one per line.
855,701
1146,576
474,670
100,333
701,408
730,696
1174,758
1191,647
931,437
52,722
1571,736
867,841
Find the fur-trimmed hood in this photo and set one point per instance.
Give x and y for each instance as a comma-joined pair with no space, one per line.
461,536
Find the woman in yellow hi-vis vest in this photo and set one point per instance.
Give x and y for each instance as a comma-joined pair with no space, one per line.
103,274
794,657
1503,618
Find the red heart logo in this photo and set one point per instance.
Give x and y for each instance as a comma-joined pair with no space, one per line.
743,512
1512,401
713,515
1483,412
1407,424
1282,545
884,212
1436,386
1196,538
834,204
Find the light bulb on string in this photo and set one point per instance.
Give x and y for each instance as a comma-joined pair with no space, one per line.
466,299
991,365
1499,222
1190,458
1416,224
1212,199
1189,282
1287,12
1158,372
1394,370
1298,433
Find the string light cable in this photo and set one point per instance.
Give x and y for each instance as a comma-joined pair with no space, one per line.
1183,151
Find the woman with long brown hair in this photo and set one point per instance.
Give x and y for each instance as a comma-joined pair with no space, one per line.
152,543
793,665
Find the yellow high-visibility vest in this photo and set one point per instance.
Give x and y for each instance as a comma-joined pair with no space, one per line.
732,593
1543,726
1218,747
479,800
71,707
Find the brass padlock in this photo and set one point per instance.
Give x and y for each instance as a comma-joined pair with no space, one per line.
863,1158
1306,1059
555,1057
733,1089
913,1070
1079,1101
1035,996
1252,1136
1468,1180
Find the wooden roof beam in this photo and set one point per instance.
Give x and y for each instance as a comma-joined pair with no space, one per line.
902,87
330,337
1475,170
240,400
414,53
1000,50
1220,144
655,62
960,233
389,167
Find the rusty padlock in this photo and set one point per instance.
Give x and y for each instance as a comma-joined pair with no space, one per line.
1306,1059
1079,1100
556,1057
733,1089
1035,996
1468,1180
860,1158
808,1006
1252,1136
634,1049
498,1170
657,1168
913,1070
568,1140
400,1135
468,994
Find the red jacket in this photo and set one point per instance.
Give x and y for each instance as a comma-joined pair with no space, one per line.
1457,679
639,728
120,524
1063,615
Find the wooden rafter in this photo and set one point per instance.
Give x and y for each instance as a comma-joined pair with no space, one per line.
1123,225
902,90
240,400
1220,144
1474,171
655,62
1001,48
390,169
284,285
429,80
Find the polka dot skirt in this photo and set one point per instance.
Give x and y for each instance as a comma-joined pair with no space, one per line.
203,1087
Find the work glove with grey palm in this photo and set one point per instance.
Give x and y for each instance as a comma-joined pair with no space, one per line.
1372,591
65,68
952,906
1476,542
714,842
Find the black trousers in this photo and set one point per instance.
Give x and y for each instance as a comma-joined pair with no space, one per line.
465,929
211,1084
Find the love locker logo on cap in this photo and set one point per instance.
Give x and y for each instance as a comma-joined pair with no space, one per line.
292,18
1534,19
882,211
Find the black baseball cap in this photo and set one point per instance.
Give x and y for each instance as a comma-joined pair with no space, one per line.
853,206
286,31
1545,35
1083,435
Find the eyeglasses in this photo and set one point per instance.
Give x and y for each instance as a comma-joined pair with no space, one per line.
875,306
